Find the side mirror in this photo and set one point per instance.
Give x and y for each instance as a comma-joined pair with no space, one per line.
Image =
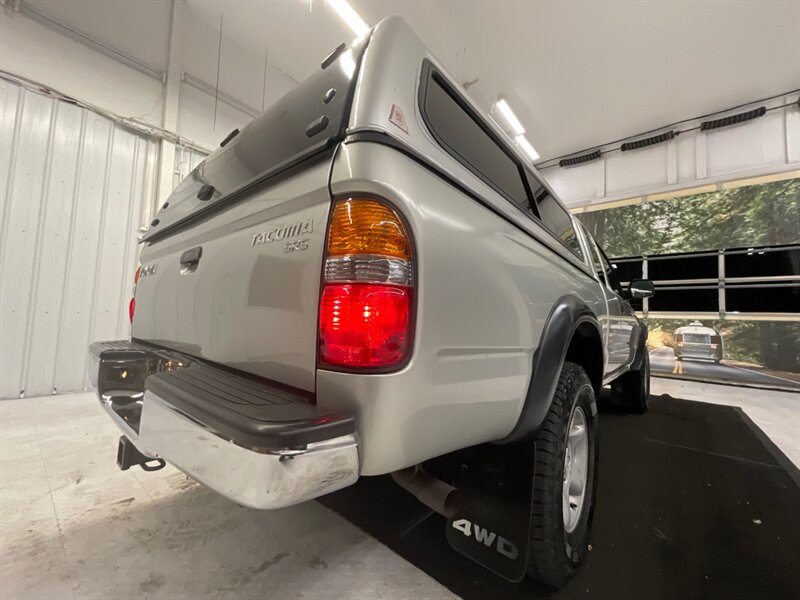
641,288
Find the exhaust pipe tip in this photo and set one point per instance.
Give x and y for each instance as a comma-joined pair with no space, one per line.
452,503
433,493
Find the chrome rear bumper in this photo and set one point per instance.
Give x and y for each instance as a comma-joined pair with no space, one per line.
302,454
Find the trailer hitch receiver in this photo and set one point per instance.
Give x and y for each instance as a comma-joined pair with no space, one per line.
128,456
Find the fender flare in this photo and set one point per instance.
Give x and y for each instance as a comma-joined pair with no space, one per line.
566,316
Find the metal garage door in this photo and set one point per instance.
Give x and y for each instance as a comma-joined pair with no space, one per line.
72,184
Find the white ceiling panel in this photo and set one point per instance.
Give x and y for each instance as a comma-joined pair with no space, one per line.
577,73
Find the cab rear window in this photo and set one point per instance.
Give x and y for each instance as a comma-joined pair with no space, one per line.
695,338
553,215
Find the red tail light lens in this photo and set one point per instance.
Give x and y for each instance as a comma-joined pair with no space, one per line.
366,310
364,325
132,303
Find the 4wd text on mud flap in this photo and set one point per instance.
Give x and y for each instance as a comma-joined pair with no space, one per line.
504,546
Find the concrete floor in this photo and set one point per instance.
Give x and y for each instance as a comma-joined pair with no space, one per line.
73,526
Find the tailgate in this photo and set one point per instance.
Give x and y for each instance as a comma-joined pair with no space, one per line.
231,270
241,287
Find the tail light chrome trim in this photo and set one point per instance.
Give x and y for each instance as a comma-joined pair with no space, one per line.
370,268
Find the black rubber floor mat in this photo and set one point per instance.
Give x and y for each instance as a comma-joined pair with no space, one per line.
692,502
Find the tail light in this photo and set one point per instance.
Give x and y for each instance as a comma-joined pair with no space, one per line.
132,303
365,313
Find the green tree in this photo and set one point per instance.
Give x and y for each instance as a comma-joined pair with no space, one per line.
756,215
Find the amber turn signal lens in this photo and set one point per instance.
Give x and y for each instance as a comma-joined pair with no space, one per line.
365,226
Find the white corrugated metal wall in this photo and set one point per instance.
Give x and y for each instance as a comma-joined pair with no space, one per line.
186,159
72,187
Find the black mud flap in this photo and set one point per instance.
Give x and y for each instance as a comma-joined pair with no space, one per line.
493,523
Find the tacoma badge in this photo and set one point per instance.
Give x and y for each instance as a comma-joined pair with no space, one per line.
282,233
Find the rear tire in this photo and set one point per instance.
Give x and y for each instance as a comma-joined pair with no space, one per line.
631,391
566,452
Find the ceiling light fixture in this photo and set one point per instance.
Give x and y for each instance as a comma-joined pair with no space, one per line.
526,147
349,15
510,117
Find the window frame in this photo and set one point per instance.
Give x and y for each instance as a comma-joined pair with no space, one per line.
528,175
592,255
428,73
432,75
612,282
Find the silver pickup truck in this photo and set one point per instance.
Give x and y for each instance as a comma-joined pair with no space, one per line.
368,277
